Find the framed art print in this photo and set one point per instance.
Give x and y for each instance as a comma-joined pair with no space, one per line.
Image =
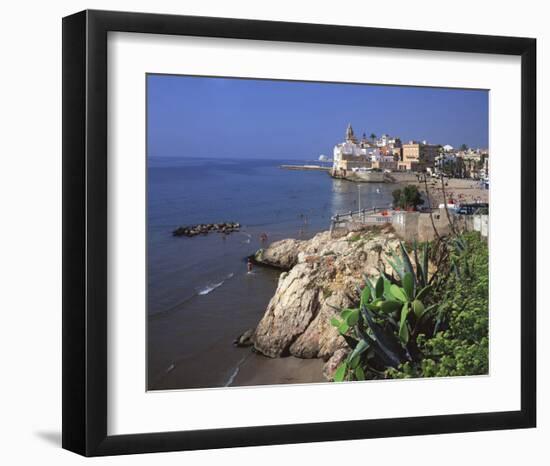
280,233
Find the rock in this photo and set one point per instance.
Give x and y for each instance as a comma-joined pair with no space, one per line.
245,339
334,361
204,229
288,314
322,276
321,339
281,254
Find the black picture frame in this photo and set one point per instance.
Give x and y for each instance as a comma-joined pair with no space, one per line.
85,232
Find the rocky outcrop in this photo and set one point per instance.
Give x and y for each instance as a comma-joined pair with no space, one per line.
282,254
289,313
322,276
205,228
321,339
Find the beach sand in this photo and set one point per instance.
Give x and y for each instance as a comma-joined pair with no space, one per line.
260,370
463,191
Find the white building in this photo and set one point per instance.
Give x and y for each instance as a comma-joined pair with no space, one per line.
350,154
386,140
448,148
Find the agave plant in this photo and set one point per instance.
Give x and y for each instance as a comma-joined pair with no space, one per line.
459,251
402,265
382,331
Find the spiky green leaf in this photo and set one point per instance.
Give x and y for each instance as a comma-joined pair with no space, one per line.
351,341
407,265
354,362
398,293
425,263
369,284
361,347
398,270
403,328
379,287
408,285
385,342
387,289
417,265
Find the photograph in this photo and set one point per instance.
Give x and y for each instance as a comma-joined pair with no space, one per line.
314,232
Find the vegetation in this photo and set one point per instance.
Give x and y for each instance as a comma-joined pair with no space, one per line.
408,198
417,323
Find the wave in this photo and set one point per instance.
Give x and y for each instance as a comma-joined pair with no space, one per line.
202,291
209,288
212,286
235,372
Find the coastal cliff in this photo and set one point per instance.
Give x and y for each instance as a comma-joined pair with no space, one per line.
321,276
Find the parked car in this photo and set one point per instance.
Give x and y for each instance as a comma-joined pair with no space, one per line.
471,209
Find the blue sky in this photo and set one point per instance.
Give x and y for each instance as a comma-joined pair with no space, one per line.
246,118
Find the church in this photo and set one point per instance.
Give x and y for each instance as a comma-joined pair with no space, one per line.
352,154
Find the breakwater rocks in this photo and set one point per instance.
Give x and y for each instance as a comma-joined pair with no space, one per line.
205,228
321,276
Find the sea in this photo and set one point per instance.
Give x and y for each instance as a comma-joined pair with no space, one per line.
200,295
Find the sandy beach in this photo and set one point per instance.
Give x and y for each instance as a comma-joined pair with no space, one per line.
260,370
463,191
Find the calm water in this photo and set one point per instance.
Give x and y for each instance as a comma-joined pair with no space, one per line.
200,296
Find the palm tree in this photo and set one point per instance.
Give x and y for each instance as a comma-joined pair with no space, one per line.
373,136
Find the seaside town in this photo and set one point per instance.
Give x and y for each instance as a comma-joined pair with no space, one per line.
395,291
390,154
440,181
435,183
370,261
391,272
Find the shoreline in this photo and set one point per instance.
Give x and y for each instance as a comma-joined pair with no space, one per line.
304,167
257,369
459,190
184,349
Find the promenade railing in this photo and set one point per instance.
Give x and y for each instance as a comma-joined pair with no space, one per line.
372,216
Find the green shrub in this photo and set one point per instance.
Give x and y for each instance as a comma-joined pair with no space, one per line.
462,346
407,198
416,325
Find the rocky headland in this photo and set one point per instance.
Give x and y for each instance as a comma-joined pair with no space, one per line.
320,277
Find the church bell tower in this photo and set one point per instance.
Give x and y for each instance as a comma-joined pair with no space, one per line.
350,136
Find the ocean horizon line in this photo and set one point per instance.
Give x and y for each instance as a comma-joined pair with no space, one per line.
194,157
